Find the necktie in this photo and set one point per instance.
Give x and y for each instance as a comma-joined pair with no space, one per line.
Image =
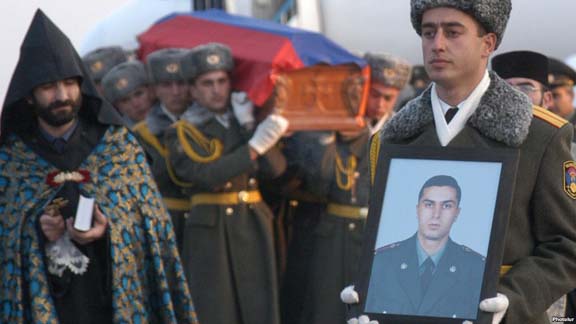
59,144
450,114
426,275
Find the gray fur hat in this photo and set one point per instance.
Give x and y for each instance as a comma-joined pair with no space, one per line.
206,58
491,14
388,69
123,79
165,64
101,60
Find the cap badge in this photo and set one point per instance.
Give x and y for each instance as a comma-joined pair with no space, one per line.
121,83
213,59
172,68
96,66
389,73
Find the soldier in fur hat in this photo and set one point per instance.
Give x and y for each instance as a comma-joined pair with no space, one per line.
126,86
468,106
388,76
102,60
218,156
562,79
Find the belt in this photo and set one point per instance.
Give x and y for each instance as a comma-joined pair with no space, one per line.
347,211
177,204
226,198
504,269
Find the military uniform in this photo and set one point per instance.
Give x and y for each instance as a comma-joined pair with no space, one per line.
336,171
540,243
228,247
454,290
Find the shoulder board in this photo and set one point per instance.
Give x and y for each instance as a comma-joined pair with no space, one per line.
387,247
469,250
143,131
374,151
549,117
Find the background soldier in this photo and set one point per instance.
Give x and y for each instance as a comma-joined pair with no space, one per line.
166,72
467,106
562,79
126,87
102,60
228,247
388,76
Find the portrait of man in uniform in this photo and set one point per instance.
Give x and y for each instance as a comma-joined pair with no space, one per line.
428,274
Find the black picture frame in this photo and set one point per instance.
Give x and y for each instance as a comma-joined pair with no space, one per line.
488,178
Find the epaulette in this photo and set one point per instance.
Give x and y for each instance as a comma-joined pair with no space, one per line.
387,247
469,250
549,117
142,129
186,131
374,151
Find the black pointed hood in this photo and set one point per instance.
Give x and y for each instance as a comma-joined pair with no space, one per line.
47,55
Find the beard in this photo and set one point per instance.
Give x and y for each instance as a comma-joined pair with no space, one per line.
55,118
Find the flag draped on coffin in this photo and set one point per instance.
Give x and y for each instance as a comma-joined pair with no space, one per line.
261,49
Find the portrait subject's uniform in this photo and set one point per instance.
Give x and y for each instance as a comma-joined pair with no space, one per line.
133,273
454,289
541,238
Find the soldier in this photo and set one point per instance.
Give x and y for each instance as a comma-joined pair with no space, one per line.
102,60
60,141
562,79
467,106
166,74
388,76
126,86
228,247
417,276
526,71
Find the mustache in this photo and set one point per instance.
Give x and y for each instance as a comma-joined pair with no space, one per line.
60,103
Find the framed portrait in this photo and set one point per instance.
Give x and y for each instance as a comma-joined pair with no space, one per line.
435,234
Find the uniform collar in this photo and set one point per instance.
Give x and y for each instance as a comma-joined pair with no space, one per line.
422,255
504,114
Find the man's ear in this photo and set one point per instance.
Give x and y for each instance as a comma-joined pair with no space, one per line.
488,44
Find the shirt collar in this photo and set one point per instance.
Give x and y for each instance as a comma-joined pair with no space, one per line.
422,255
66,136
167,112
446,132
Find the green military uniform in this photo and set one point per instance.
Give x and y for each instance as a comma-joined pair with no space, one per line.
228,246
454,289
541,239
150,134
335,170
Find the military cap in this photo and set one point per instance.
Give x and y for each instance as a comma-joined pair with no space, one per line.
389,70
101,60
165,64
491,14
206,58
560,74
419,74
123,79
522,64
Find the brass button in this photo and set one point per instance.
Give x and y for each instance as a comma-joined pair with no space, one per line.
243,196
229,211
186,215
228,185
252,181
293,203
364,211
351,226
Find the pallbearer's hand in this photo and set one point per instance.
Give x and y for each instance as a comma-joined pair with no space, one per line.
95,233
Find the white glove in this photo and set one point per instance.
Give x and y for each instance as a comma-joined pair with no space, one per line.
361,320
268,133
243,109
497,305
349,295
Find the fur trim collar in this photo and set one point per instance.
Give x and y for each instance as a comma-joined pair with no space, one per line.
504,114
